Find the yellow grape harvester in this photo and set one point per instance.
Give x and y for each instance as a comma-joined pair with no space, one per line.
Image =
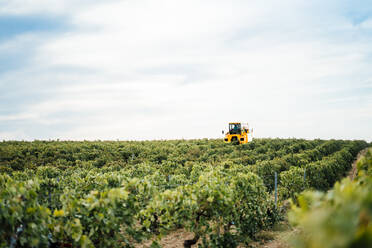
239,133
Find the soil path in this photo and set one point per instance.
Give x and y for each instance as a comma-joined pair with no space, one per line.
280,240
354,170
174,239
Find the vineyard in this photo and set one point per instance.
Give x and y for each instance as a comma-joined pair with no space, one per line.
121,194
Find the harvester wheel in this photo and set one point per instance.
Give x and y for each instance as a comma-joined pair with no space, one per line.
234,140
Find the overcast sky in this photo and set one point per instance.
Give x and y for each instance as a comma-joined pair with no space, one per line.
171,69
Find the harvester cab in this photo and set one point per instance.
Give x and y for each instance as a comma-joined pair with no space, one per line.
238,133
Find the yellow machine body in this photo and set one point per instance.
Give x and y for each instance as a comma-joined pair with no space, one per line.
238,133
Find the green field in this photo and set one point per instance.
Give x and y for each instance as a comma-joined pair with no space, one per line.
119,194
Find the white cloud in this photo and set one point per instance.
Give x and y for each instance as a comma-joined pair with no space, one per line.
183,69
51,7
14,135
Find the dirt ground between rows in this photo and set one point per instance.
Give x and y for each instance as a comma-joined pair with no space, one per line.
266,239
174,239
354,170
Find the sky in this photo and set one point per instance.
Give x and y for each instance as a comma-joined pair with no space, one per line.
182,69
